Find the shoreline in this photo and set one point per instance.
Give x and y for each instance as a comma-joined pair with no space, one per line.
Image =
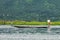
30,26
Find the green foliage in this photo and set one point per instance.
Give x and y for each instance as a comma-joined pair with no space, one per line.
29,1
29,10
1,22
55,23
19,22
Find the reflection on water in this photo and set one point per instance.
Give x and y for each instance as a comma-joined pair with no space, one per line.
29,30
23,30
29,33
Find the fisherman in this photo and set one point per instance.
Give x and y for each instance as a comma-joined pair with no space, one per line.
48,25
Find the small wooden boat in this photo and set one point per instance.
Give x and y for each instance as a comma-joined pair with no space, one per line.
30,26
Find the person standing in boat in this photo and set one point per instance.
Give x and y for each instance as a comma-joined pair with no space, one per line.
49,22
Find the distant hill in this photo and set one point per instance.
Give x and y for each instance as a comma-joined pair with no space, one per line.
29,10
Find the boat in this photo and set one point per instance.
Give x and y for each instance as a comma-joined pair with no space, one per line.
31,26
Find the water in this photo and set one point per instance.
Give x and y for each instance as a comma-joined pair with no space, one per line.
12,33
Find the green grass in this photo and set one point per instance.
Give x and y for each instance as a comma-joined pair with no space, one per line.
27,23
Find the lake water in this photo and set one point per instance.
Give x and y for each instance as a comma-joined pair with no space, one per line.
12,33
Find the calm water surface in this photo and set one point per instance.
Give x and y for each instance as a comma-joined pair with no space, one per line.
12,33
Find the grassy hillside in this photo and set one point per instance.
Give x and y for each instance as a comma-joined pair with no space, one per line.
16,22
